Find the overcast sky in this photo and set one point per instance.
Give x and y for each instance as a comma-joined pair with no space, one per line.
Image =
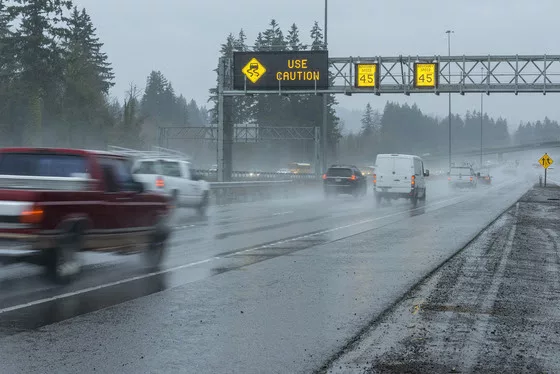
182,38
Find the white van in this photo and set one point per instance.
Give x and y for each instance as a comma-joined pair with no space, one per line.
399,176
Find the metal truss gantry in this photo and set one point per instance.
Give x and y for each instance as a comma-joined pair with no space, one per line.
241,134
457,74
244,134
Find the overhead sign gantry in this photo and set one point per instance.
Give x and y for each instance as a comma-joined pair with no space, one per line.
313,72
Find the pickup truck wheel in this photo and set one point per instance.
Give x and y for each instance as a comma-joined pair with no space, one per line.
63,264
203,206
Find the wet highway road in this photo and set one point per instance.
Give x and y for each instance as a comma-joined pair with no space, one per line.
260,287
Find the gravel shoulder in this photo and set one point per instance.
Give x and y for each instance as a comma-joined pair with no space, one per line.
494,307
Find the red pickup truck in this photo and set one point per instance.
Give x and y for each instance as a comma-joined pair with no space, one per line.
55,203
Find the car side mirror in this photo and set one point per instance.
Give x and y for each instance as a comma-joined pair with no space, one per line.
426,173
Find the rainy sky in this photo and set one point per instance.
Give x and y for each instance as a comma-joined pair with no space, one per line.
182,38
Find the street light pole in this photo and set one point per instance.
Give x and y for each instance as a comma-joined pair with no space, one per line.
481,110
325,109
449,32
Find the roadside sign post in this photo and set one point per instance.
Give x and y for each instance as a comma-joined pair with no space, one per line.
545,162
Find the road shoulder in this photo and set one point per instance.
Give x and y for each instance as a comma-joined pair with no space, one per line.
492,308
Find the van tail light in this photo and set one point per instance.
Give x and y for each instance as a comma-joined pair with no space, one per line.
324,176
33,215
413,181
353,178
374,178
159,182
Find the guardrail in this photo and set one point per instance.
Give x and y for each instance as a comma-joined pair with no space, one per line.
244,191
212,175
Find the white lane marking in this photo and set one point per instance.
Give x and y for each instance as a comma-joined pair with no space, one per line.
369,220
282,213
101,286
184,266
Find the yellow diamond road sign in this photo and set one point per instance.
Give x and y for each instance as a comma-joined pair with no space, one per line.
546,161
254,70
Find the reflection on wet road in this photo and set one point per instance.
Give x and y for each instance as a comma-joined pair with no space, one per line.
223,250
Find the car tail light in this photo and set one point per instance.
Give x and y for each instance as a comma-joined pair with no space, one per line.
353,178
449,179
374,178
159,182
32,216
471,179
324,176
413,181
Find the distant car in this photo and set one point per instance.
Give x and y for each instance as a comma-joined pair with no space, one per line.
283,171
253,173
484,177
462,177
342,179
399,176
367,170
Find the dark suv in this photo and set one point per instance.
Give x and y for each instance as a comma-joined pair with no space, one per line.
341,179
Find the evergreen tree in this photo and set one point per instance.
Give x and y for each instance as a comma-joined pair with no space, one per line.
8,75
37,48
88,78
292,39
157,100
241,106
368,125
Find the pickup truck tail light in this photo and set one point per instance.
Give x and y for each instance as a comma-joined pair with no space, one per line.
159,182
32,215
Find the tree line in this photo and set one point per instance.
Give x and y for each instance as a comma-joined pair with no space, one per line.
405,129
55,81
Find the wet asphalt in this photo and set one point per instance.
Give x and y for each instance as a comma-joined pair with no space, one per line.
278,287
491,309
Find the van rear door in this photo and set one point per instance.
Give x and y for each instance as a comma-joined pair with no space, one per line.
394,173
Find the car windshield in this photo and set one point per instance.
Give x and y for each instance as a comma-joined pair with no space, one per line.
339,172
42,164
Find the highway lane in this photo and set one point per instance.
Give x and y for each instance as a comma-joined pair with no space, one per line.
227,229
207,274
